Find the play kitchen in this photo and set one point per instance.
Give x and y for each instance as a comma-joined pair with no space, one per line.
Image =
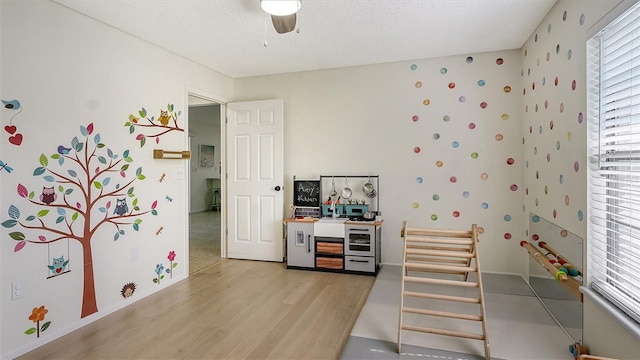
336,225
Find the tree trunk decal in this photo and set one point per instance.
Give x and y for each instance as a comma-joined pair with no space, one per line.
89,177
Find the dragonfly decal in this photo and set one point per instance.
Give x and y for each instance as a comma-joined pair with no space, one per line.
6,167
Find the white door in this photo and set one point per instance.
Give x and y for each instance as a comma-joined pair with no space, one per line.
255,180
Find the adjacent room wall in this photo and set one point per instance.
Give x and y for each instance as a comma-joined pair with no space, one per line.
204,129
77,78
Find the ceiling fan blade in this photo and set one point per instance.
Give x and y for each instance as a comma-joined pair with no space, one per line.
284,24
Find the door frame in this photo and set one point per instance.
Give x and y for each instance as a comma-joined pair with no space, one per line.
219,100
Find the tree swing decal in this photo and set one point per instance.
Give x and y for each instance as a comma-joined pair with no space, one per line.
92,180
166,122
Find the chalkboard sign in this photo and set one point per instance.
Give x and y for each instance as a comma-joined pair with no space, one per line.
306,193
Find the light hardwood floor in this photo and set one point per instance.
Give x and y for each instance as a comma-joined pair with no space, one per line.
236,309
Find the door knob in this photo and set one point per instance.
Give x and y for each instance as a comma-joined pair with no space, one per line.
277,188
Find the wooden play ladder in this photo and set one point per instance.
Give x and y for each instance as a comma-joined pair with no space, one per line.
440,252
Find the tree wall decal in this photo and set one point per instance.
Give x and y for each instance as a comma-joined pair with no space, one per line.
166,122
89,176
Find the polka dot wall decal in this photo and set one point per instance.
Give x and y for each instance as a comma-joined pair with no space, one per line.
474,155
435,197
507,236
426,102
499,137
452,85
569,54
558,145
455,144
525,52
569,135
507,218
581,19
536,201
548,157
453,179
465,194
507,89
540,129
446,118
533,85
504,116
580,118
555,214
484,176
536,107
439,163
472,126
513,187
546,104
573,85
561,179
419,180
415,118
535,38
580,215
469,59
456,214
549,28
566,200
484,205
564,233
434,217
436,136
418,84
576,166
510,161
546,190
535,150
537,174
483,105
535,237
414,66
544,80
443,71
415,205
548,56
538,62
481,82
561,107
556,81
551,124
535,218
416,149
499,61
564,15
462,99
558,49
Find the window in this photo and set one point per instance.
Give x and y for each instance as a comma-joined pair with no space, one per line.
613,137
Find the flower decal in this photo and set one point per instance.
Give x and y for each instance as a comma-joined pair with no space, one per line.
37,315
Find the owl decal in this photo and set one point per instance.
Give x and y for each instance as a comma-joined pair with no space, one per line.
48,195
121,207
58,265
164,117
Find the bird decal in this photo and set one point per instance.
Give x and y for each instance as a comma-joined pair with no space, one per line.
121,207
63,150
58,265
48,195
164,117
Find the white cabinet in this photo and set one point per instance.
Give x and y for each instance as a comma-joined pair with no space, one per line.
300,245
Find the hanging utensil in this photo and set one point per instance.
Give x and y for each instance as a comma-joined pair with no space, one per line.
367,188
333,187
346,192
372,194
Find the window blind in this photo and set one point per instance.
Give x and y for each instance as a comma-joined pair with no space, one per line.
613,137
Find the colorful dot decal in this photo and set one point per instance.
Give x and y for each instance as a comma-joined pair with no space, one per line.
510,161
483,104
499,137
484,205
507,218
469,59
481,82
465,194
415,205
436,136
499,61
507,236
462,99
434,217
418,84
416,149
453,179
456,214
439,163
415,118
446,118
419,180
455,144
452,85
443,71
426,102
435,197
484,176
504,116
507,89
414,66
474,155
472,126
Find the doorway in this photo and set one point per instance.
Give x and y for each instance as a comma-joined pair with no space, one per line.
205,185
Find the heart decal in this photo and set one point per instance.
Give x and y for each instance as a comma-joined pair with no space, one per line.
10,129
16,139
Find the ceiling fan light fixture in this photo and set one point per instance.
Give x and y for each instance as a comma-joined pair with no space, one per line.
280,7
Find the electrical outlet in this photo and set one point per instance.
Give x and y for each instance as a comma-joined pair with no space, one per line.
17,290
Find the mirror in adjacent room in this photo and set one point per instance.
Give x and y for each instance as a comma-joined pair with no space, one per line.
561,299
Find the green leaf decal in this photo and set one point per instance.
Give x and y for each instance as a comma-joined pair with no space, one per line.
17,235
97,185
45,326
42,213
74,217
43,160
31,331
141,177
9,223
39,171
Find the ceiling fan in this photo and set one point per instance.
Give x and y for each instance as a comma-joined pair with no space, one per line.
283,13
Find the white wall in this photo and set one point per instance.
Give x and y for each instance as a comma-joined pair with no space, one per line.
68,71
204,129
360,120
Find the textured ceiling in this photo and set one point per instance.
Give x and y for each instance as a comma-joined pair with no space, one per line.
229,35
